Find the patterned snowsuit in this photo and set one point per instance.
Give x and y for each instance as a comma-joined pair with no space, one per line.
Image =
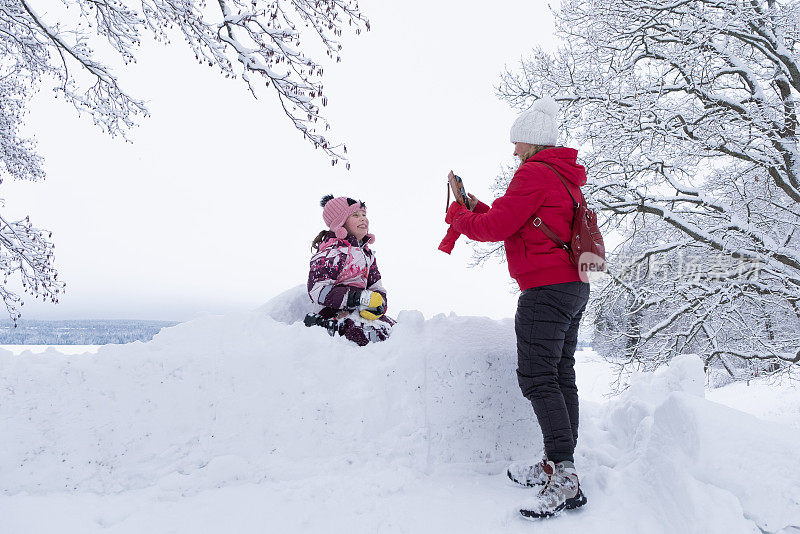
338,266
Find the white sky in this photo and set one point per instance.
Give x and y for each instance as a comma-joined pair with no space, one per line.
213,206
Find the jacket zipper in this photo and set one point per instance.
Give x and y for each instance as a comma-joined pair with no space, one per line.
366,279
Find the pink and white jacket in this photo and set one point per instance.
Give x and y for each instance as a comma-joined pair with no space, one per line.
339,266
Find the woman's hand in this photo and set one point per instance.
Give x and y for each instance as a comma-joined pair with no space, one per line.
457,186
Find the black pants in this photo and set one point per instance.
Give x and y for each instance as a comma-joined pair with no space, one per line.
547,333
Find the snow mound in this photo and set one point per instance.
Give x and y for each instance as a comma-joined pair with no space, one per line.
701,466
266,398
289,307
259,398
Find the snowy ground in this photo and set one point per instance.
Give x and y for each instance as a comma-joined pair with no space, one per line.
58,349
247,424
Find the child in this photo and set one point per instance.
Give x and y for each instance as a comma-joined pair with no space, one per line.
344,281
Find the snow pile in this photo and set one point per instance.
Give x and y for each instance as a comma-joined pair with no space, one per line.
258,403
249,398
698,465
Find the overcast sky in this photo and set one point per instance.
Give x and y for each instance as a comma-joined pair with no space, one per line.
213,206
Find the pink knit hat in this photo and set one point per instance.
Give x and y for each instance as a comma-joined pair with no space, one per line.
335,212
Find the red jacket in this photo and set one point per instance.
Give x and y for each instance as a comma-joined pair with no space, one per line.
535,191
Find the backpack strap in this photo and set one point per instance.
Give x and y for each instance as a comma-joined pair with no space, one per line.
575,203
539,223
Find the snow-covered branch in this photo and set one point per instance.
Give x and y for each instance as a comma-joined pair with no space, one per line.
260,41
27,252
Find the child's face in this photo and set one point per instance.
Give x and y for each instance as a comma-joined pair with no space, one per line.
357,224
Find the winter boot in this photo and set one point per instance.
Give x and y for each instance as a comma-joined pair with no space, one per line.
527,475
562,490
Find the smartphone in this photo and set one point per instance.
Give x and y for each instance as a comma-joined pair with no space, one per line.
457,185
461,190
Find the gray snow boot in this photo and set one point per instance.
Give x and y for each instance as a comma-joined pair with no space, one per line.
527,475
562,490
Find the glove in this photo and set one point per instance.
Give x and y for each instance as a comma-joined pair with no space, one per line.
362,298
455,211
373,313
370,303
449,240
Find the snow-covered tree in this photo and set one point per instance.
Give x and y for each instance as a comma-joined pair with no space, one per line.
686,115
257,40
73,45
26,253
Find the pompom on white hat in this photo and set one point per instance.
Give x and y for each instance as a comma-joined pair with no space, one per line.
538,125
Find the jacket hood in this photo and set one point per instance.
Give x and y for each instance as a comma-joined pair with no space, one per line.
565,161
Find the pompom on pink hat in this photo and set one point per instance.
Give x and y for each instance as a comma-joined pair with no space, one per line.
335,212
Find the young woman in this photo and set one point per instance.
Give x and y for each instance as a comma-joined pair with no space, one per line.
344,281
553,296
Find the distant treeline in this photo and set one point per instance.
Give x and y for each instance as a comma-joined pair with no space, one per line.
84,332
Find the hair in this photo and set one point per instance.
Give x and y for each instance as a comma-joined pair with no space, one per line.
320,236
535,149
317,240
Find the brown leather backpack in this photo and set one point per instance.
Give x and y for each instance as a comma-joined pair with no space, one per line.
585,248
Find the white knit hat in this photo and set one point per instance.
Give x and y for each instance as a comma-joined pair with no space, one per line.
537,125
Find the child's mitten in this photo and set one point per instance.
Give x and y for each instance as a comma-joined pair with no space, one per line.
373,313
362,298
370,303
